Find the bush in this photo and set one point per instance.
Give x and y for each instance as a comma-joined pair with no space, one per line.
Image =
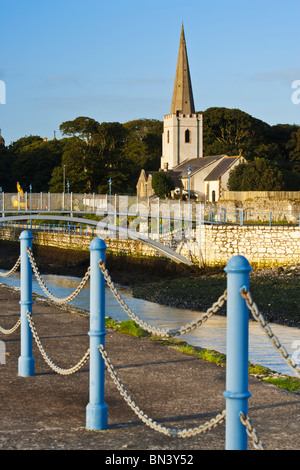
162,184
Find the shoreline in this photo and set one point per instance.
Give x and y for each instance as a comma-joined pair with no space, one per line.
276,291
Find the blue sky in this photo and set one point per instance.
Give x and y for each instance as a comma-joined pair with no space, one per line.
115,60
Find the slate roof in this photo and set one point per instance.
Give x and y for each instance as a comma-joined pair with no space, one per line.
195,164
223,166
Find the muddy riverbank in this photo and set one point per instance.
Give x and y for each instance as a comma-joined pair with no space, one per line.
276,291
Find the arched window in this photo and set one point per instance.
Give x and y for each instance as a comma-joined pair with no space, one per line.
187,136
168,137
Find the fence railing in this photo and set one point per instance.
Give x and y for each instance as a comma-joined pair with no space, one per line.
239,302
121,208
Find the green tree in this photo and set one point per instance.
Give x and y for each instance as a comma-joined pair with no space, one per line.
258,175
162,184
81,127
110,161
144,143
34,161
294,147
233,132
6,175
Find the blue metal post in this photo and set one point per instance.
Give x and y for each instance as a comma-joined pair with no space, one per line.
96,410
26,360
237,393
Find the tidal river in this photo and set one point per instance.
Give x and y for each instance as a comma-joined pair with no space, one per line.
211,335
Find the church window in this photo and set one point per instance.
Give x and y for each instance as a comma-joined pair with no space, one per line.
187,136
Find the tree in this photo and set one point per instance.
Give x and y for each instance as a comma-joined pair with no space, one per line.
258,175
34,162
6,162
233,132
144,143
294,147
81,127
162,184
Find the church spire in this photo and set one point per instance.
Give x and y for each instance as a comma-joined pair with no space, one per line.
182,100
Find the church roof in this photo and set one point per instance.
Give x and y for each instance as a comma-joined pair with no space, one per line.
183,100
196,164
223,166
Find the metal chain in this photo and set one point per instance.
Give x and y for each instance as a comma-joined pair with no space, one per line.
14,328
150,422
266,328
157,331
257,443
13,270
45,289
57,369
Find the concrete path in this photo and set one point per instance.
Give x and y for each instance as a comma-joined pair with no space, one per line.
48,410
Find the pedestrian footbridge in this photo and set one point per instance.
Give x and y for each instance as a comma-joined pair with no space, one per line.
101,228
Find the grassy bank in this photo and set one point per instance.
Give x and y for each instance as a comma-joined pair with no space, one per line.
129,327
278,298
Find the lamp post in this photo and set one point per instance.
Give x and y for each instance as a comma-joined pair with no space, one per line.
68,189
109,182
64,177
30,190
189,170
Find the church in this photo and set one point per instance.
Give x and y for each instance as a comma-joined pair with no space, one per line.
204,177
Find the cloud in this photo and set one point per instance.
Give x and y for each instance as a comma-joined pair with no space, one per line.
60,80
284,76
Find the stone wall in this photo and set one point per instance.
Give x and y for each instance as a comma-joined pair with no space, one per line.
257,205
263,246
269,195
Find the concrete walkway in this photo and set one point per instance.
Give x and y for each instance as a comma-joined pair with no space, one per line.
48,410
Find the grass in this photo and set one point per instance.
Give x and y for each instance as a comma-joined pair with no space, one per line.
278,298
129,327
287,383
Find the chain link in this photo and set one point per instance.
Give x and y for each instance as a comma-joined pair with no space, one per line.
149,421
266,328
45,289
257,443
14,328
57,369
13,270
157,331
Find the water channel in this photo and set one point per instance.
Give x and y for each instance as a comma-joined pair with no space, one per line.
211,335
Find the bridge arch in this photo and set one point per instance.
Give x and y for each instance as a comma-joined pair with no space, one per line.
164,250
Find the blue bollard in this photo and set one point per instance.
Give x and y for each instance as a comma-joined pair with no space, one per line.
26,360
96,410
237,393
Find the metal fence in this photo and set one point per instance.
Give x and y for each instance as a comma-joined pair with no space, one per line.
123,209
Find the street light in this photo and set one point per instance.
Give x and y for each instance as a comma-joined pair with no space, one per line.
68,188
189,170
30,189
109,182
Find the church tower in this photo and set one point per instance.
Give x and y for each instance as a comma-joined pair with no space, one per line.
182,134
